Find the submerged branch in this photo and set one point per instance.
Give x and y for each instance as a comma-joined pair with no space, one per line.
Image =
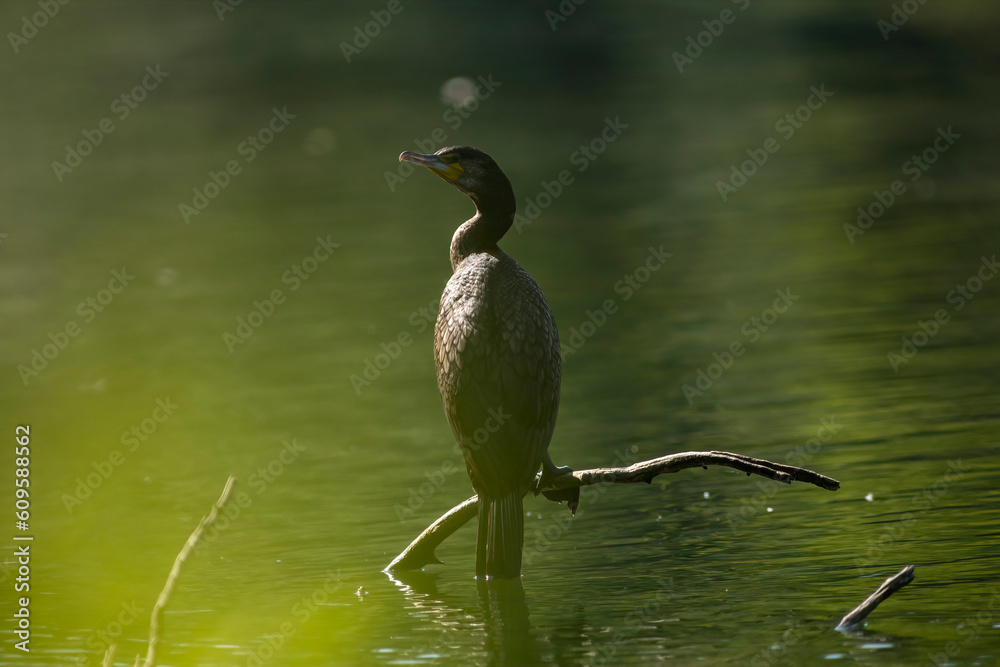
888,587
175,573
421,550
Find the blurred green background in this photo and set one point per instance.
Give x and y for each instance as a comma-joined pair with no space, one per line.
338,476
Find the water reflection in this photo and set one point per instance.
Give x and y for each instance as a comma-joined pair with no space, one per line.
502,615
509,640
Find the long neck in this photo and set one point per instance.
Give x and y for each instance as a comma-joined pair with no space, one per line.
494,216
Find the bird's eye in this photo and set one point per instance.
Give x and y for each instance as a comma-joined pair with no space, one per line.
449,158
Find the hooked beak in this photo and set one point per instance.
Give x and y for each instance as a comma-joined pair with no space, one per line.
433,162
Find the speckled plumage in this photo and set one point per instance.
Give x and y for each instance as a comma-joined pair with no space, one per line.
496,350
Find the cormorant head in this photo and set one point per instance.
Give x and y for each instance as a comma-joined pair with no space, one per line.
471,171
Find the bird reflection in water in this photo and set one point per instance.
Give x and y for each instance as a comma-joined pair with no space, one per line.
503,615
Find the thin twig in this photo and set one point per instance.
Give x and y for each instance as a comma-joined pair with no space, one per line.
888,587
175,572
421,550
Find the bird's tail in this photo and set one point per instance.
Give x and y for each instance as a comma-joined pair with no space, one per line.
501,536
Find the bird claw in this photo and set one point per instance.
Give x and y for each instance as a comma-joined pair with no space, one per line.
570,495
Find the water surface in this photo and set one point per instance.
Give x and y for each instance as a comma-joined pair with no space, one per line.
337,476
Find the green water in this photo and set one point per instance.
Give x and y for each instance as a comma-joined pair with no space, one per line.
155,392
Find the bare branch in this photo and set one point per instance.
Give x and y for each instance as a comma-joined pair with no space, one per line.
645,471
888,587
421,550
175,573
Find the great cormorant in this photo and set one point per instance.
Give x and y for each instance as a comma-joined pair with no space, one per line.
496,349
